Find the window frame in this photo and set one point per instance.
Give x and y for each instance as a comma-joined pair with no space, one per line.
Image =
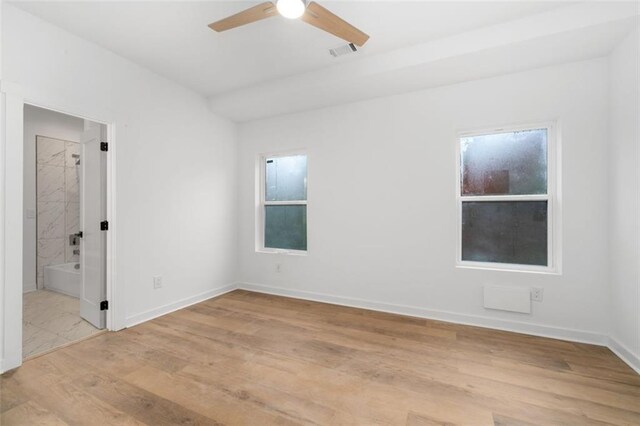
551,197
262,203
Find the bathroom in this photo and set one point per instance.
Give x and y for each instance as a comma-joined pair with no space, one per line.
52,243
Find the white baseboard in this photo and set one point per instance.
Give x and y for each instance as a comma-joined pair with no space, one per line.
580,336
624,354
171,307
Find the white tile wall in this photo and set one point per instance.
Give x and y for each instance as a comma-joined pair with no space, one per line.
50,252
51,220
58,202
71,184
70,149
50,183
50,151
72,218
72,226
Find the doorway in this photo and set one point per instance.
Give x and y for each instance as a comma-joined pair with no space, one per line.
64,243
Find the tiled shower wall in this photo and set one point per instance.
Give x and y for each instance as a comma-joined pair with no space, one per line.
58,202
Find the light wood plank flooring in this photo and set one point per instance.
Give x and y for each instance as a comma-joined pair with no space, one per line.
248,358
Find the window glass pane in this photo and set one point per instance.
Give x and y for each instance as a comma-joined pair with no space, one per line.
505,232
286,178
286,227
512,163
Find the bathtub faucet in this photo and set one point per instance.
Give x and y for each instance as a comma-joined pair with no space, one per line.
74,239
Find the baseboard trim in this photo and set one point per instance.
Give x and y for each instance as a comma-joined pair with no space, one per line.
625,354
171,307
572,335
29,288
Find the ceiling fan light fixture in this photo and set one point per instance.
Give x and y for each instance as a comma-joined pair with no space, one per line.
291,9
307,11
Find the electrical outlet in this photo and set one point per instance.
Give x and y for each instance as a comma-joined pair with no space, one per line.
278,267
536,294
157,281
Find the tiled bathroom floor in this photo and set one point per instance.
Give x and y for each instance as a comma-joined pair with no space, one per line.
51,319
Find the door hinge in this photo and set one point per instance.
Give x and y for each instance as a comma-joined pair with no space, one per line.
104,146
104,225
104,305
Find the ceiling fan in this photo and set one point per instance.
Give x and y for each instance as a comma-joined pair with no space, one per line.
310,12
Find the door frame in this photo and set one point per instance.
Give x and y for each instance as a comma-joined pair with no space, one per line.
12,101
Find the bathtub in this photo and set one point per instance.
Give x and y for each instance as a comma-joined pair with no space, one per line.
63,278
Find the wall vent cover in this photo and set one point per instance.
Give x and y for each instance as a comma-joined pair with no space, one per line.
512,299
345,49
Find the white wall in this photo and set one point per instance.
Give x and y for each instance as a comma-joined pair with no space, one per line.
623,198
3,240
382,210
39,122
175,163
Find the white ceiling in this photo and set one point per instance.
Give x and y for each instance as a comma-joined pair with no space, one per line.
573,33
172,38
279,66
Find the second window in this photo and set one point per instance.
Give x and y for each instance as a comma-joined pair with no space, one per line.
284,202
505,198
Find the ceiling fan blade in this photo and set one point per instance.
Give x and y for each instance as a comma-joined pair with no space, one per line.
320,17
253,14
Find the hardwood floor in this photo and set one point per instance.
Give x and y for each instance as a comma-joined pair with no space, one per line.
248,358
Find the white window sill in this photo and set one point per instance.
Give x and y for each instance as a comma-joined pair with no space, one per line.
285,252
509,268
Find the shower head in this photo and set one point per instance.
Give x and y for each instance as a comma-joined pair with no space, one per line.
77,157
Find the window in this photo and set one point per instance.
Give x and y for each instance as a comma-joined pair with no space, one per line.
505,199
284,203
